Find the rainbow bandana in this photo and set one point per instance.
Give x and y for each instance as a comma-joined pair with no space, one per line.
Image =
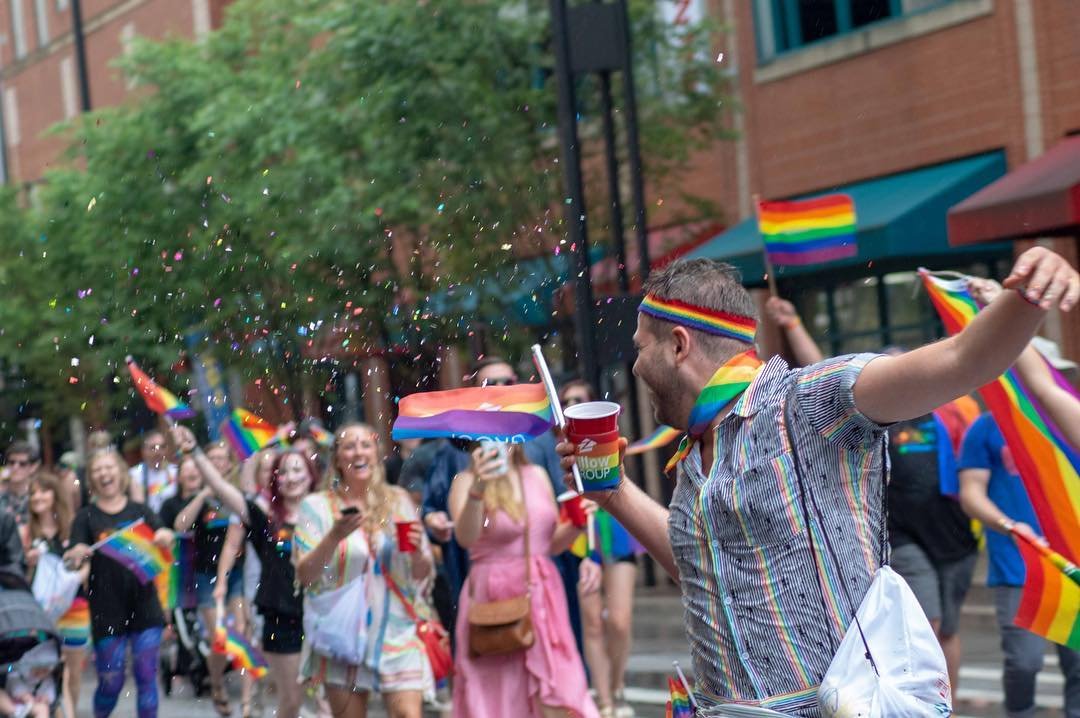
705,320
728,382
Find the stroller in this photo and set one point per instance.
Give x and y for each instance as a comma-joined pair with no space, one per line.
185,654
30,664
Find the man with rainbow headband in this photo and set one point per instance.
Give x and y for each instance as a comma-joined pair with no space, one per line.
765,606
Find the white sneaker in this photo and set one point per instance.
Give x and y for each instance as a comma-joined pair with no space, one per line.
622,708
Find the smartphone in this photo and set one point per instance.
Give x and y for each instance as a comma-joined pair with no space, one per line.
348,510
501,451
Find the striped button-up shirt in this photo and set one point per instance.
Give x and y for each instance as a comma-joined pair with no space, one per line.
761,629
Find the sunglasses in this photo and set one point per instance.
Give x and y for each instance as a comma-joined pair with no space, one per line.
504,381
21,462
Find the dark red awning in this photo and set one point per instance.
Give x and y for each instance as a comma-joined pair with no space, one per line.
1037,199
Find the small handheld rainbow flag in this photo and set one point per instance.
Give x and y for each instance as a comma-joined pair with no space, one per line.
229,643
808,231
662,436
678,705
158,399
1050,600
247,433
181,589
133,547
501,413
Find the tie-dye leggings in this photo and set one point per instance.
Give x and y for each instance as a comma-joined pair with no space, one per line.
110,656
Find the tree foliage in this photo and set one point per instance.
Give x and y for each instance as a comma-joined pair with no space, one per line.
311,164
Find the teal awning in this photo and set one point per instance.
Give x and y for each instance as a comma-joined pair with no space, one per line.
900,222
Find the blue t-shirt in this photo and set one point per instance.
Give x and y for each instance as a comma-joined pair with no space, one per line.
984,448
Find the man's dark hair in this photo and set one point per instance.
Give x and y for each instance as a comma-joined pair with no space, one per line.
481,364
22,447
703,283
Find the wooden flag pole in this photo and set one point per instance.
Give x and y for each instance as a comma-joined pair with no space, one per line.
770,271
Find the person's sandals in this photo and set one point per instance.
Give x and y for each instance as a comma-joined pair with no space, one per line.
622,708
607,711
221,701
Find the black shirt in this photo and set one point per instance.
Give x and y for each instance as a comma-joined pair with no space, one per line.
119,604
278,591
918,512
209,532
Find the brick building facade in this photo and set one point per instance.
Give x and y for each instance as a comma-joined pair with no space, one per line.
39,70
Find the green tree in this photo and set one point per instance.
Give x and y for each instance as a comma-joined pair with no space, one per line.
313,163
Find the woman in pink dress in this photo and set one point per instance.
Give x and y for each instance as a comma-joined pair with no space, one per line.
488,504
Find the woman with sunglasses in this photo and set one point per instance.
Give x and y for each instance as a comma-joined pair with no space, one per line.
607,615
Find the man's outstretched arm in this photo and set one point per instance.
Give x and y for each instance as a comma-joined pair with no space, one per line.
896,388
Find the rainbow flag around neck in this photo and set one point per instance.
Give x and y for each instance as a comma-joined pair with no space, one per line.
662,436
1049,468
678,705
1050,599
243,654
808,231
134,548
513,414
158,399
247,433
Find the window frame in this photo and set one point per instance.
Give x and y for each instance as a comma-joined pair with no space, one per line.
785,32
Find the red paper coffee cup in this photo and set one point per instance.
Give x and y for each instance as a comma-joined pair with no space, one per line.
592,417
404,542
575,512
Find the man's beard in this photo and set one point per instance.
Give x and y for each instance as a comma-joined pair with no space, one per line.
666,399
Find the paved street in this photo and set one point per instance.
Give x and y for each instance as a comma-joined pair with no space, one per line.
658,640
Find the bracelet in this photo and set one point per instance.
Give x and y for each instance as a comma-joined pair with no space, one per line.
791,323
475,496
1023,295
1006,524
189,452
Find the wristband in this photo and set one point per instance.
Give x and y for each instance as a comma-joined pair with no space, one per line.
476,496
1006,524
791,323
1022,291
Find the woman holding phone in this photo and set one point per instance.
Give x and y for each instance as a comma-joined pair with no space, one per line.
349,533
505,515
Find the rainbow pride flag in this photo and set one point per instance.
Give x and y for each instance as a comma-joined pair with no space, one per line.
134,548
181,586
808,231
1048,467
1050,600
678,705
662,436
158,399
229,643
247,433
501,413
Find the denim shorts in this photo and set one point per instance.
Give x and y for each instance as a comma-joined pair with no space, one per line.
204,588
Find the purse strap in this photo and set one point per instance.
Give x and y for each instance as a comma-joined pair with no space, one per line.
528,552
401,597
805,494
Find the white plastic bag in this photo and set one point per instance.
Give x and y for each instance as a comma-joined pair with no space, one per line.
336,622
913,680
54,586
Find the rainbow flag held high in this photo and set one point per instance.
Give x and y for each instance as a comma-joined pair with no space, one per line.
1049,469
1050,600
321,436
133,547
809,231
514,414
244,655
247,433
158,399
678,705
662,436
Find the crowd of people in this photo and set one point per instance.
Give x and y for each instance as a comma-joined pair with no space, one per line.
341,563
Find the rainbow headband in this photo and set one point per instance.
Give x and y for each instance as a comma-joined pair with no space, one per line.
709,321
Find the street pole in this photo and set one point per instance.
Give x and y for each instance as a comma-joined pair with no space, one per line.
80,53
574,204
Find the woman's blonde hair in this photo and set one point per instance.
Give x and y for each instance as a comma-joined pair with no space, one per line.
381,499
112,455
49,481
499,493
